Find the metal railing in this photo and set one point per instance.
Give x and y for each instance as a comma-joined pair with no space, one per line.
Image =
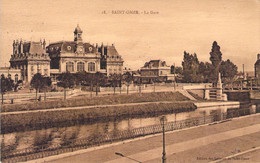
99,139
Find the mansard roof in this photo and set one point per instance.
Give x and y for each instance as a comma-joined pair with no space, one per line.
33,48
111,51
155,63
69,47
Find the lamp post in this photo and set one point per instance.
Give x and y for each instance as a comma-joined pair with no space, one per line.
163,120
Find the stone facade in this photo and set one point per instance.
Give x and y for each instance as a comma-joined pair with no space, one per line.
73,56
14,74
30,58
64,56
111,61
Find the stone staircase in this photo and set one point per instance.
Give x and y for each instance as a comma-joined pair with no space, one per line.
213,94
186,94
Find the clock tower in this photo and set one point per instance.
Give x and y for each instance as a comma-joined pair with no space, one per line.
78,39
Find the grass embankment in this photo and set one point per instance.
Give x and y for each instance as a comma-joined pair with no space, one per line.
37,120
101,100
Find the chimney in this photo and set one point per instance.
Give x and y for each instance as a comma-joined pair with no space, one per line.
103,49
17,47
97,46
44,44
21,46
14,47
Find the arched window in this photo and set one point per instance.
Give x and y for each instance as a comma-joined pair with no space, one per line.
2,76
91,66
70,66
16,78
81,66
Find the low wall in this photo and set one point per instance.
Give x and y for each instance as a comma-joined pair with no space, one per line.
255,95
212,104
198,86
238,95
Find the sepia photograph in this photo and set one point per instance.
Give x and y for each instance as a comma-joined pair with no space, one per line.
124,81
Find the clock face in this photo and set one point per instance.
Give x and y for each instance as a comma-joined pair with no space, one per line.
80,49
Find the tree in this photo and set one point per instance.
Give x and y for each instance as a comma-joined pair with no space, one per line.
66,80
37,83
128,78
7,84
47,83
83,78
176,70
215,58
115,80
99,78
17,84
228,70
190,66
205,71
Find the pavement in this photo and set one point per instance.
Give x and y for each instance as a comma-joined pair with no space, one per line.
204,143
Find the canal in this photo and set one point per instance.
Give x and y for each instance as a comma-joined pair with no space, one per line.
58,136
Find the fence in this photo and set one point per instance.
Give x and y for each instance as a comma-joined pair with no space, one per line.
73,145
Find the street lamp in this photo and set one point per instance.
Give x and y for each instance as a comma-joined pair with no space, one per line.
163,120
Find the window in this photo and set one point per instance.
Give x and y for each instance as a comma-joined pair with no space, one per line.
32,68
9,75
91,66
70,66
2,76
38,68
81,66
161,72
16,78
46,72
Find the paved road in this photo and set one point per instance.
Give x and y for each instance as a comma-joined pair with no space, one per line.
191,144
251,155
199,144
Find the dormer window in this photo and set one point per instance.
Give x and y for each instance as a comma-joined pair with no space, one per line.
68,47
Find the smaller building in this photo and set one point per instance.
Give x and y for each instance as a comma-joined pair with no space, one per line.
156,70
111,61
14,74
257,67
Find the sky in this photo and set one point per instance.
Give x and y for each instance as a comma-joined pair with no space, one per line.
170,28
